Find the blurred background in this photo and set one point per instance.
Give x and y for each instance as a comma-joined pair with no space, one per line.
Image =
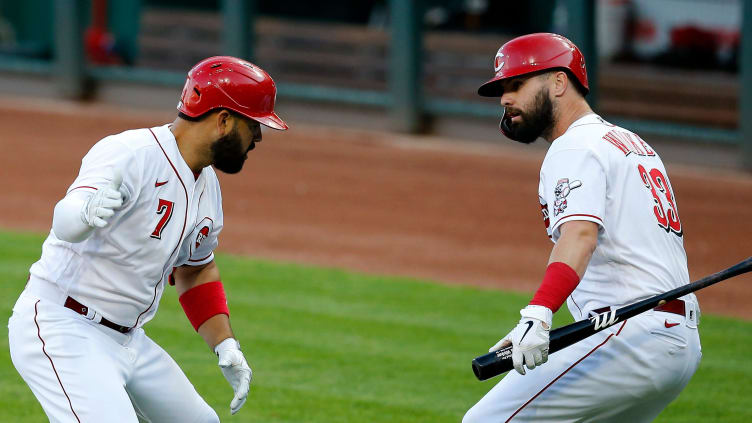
669,68
392,166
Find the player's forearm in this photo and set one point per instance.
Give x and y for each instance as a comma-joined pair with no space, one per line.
575,246
216,330
67,224
203,299
569,259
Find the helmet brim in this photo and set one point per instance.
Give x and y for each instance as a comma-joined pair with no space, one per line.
272,121
492,87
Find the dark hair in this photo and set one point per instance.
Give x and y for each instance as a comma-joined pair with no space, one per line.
199,118
183,116
576,82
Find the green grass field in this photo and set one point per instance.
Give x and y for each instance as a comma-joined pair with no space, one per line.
330,346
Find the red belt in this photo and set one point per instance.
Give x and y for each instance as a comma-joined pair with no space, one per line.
673,306
83,310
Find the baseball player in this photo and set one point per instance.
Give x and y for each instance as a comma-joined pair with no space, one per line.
610,210
145,210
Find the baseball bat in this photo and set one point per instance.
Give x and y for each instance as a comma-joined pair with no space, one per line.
498,362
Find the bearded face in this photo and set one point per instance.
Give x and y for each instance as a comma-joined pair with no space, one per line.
526,126
228,152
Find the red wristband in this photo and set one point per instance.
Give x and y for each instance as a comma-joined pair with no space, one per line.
560,280
203,302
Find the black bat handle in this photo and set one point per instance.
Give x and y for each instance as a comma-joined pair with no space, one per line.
493,363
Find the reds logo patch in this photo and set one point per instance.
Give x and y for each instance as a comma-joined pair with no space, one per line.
563,187
498,61
201,236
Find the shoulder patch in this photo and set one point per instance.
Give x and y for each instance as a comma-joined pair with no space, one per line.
563,187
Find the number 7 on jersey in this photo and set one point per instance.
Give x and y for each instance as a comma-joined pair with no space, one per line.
165,209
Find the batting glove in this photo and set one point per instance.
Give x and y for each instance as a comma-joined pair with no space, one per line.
529,339
236,371
102,205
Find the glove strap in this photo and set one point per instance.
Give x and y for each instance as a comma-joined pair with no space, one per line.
204,301
227,344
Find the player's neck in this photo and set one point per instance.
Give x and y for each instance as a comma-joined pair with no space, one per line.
193,151
568,113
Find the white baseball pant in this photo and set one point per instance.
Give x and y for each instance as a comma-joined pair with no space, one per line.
81,371
627,373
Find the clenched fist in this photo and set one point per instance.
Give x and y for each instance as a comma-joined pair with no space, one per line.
103,203
529,339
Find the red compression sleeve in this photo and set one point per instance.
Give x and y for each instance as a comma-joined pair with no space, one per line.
560,280
204,301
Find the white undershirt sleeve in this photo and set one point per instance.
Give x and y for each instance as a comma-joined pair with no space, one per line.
67,223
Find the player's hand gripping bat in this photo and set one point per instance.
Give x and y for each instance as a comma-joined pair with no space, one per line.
498,362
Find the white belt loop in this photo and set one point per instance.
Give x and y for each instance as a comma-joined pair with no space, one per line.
692,314
93,315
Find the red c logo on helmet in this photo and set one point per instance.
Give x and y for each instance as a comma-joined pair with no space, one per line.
498,61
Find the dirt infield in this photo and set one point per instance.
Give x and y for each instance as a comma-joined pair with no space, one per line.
380,203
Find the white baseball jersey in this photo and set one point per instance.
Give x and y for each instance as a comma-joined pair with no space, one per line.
170,217
630,371
608,175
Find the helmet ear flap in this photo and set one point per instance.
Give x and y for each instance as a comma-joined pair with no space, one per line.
504,126
506,129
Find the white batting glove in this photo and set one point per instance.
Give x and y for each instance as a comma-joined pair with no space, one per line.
529,339
102,205
236,371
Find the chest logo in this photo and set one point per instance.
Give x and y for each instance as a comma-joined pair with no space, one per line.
201,236
563,187
158,184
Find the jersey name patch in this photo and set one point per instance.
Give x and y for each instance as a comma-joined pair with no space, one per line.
628,143
562,190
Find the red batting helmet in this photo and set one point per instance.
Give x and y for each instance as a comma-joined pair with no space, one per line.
230,83
533,53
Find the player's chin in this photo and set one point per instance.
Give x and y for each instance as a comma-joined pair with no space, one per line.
231,168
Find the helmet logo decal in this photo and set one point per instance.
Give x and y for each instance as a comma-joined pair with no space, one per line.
498,61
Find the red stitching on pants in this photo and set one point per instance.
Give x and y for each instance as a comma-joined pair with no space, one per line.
565,372
39,335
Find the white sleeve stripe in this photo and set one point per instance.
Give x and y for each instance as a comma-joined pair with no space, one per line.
202,259
81,187
590,216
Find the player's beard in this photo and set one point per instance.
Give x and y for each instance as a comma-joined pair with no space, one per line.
228,152
538,122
